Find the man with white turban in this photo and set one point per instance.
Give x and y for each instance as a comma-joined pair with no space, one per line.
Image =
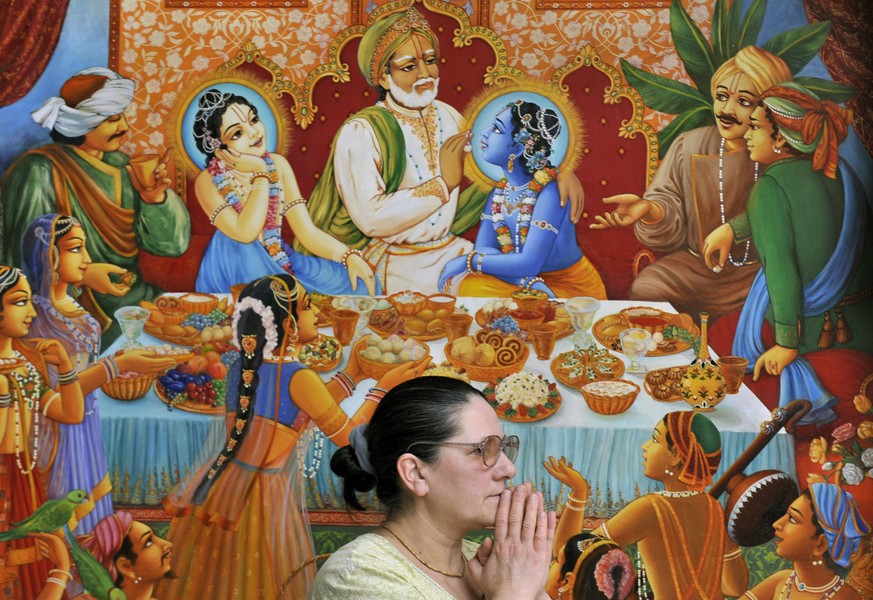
85,175
391,187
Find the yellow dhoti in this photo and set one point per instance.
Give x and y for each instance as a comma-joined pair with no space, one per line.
579,279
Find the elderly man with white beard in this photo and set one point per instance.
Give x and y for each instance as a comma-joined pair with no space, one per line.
391,187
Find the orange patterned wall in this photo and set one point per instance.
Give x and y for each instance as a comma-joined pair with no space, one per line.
168,50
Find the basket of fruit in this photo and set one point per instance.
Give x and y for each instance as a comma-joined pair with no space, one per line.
200,384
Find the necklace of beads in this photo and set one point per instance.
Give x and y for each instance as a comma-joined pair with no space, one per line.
741,262
526,202
422,561
833,585
28,391
317,452
669,494
272,240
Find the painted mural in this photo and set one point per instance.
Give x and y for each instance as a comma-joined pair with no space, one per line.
414,298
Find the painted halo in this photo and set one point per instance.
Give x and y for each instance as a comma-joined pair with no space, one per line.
482,110
268,112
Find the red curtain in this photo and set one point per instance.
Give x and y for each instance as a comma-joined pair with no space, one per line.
29,31
848,54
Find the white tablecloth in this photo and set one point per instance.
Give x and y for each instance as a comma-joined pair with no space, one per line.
605,449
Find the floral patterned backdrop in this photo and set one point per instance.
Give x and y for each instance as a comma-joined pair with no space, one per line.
167,50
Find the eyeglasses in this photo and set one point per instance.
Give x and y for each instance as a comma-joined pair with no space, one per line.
489,448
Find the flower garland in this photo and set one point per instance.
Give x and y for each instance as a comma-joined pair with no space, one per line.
272,242
271,334
528,199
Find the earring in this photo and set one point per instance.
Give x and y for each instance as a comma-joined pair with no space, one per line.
137,580
669,472
510,164
55,277
776,149
817,563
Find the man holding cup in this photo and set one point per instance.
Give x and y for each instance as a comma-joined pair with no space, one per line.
123,204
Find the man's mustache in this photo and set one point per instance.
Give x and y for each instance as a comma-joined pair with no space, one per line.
729,118
118,135
422,82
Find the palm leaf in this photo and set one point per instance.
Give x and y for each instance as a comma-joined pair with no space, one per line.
688,120
720,30
693,48
663,94
826,89
751,26
734,16
797,46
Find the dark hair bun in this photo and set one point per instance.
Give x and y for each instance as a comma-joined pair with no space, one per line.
344,463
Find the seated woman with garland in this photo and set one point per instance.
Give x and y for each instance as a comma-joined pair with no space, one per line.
526,238
248,192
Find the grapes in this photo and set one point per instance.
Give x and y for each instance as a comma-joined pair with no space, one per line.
197,321
182,387
217,316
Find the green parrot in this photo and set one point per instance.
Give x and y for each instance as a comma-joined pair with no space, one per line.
51,516
95,578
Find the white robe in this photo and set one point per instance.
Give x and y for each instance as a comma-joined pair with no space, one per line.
417,218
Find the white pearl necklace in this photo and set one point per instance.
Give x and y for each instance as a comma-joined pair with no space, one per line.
32,405
741,262
669,494
317,452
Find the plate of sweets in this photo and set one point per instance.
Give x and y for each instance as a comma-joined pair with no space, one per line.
200,384
321,354
665,385
575,369
425,325
523,397
488,355
671,333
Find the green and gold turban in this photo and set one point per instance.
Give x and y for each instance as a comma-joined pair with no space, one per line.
384,36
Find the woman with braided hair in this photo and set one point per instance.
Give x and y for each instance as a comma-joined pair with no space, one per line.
237,528
248,193
679,530
808,218
526,238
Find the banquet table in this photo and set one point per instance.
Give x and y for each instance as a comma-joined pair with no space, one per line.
149,448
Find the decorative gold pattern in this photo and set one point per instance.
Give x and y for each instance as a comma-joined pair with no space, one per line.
613,94
431,187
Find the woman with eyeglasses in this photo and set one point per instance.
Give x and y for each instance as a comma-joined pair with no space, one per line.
436,455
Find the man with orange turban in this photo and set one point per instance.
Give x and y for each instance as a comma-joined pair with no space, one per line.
85,175
703,181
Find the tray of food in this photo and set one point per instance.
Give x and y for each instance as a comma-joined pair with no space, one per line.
553,311
424,325
321,354
575,369
190,319
671,333
377,356
665,385
523,397
487,356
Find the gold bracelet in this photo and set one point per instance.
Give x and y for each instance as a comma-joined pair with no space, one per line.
572,499
293,203
733,554
576,508
215,212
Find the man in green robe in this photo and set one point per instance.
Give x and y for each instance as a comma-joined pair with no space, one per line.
85,175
